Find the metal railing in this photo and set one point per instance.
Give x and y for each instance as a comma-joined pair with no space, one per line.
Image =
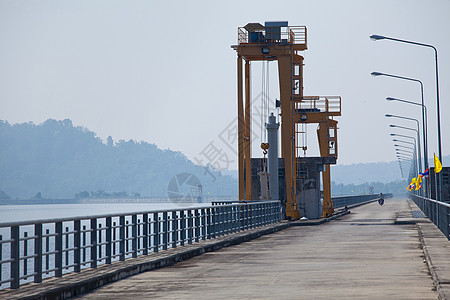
33,250
343,201
296,35
438,212
330,104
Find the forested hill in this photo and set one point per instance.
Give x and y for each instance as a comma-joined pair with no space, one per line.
59,160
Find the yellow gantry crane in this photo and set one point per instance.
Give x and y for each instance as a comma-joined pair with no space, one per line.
276,41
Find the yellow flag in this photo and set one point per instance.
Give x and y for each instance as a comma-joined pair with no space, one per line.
418,182
413,180
437,164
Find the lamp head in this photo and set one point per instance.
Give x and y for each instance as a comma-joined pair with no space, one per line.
392,125
390,99
376,74
375,37
388,115
393,134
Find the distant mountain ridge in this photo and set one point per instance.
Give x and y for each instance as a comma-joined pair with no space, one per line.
383,172
57,160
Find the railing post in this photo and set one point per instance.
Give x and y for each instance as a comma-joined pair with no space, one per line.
174,229
266,213
77,245
258,214
108,240
1,254
25,253
37,252
127,233
255,215
122,238
257,207
217,221
447,213
241,217
222,220
145,239
182,227
94,243
204,232
197,226
245,217
58,249
212,226
134,235
67,246
155,232
84,243
249,216
165,230
113,242
227,220
236,218
275,212
15,256
190,225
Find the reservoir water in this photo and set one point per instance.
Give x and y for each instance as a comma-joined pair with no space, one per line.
14,213
36,212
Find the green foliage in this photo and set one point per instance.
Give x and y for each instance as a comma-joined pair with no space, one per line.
84,194
3,195
38,195
60,160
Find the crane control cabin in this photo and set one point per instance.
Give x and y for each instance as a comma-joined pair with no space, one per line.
276,41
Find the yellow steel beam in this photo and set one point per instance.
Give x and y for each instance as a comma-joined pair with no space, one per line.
285,78
311,117
248,135
324,146
327,208
241,128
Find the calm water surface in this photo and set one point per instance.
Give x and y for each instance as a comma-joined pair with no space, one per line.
13,213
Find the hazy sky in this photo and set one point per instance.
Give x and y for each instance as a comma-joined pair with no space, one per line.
163,71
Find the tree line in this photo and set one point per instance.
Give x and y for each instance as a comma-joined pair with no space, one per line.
59,160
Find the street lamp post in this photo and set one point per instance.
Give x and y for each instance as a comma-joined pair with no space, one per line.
424,119
424,128
418,136
419,162
408,137
375,37
403,160
412,156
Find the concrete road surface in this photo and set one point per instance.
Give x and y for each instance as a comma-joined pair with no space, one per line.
363,255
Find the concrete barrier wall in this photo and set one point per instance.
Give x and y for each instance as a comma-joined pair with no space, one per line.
343,201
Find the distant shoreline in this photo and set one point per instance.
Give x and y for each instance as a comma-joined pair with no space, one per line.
82,201
104,200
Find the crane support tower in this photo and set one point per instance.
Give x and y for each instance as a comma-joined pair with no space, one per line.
276,41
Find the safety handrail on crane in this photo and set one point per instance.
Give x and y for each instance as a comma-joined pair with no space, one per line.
295,35
328,104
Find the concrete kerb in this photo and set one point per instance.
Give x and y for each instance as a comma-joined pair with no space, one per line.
438,242
75,284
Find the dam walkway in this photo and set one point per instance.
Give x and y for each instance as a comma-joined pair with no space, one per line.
375,252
